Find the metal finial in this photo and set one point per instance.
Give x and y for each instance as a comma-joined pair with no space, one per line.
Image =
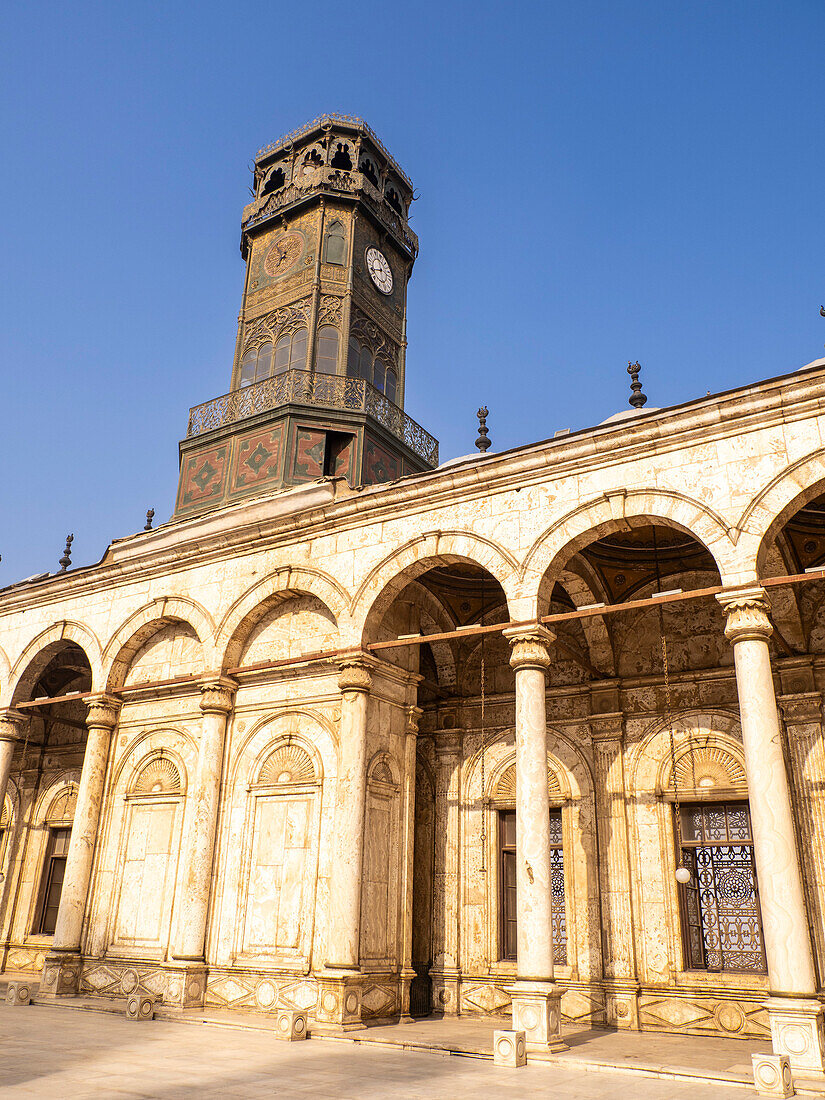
150,515
822,311
66,560
637,398
482,443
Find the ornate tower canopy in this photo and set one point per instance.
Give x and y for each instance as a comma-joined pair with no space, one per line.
317,384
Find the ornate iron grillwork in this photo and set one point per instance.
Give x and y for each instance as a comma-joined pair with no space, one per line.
557,912
720,905
328,391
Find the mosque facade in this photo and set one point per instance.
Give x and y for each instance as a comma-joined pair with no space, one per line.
375,737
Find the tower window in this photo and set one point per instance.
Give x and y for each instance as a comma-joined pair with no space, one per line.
341,158
360,364
326,361
291,352
394,200
391,386
274,182
721,922
335,244
311,161
256,364
369,170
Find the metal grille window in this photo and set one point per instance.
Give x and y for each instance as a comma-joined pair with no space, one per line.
721,922
508,912
54,871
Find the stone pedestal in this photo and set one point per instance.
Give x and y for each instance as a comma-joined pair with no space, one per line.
621,1000
537,1012
140,1006
61,974
186,986
798,1033
290,1026
772,1075
19,993
509,1049
339,1003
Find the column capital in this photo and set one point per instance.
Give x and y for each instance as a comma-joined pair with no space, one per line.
217,693
607,728
102,710
747,614
11,724
801,709
413,720
353,675
529,645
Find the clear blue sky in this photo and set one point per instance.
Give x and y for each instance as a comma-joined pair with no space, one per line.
599,181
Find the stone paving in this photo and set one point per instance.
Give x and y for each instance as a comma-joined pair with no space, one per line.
58,1053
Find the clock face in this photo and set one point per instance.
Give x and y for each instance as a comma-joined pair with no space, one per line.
284,254
379,270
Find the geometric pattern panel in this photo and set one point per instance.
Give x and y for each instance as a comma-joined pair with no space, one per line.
379,464
704,1016
203,477
257,459
308,463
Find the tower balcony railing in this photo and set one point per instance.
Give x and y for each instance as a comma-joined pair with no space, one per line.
325,391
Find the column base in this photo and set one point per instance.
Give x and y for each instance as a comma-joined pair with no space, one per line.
339,1002
61,975
797,1031
621,1003
537,1012
446,990
185,984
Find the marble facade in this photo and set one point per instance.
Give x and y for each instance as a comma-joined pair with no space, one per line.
267,813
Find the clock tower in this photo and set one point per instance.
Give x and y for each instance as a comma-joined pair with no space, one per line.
317,384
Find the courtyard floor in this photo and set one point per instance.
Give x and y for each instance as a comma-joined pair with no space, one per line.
59,1053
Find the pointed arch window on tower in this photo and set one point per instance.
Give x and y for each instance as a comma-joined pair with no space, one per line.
291,352
341,158
256,364
274,182
335,244
326,361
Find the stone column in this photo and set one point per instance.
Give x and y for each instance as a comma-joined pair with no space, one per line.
802,715
61,969
446,871
795,1014
536,1008
339,1000
618,943
11,726
410,746
199,851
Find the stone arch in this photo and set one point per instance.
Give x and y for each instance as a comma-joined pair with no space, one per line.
285,583
132,635
693,730
391,575
770,509
32,661
5,670
615,511
307,729
56,796
163,741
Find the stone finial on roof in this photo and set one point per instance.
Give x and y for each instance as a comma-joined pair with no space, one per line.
482,443
66,560
637,399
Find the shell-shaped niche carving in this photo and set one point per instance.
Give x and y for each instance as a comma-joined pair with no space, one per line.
382,773
160,776
506,787
63,805
287,764
712,767
4,816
